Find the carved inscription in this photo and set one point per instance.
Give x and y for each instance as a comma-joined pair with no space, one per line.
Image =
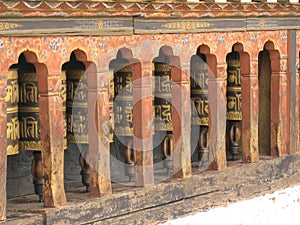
29,112
122,108
77,107
13,125
199,91
234,90
163,97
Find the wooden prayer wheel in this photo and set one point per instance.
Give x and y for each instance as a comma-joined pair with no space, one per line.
234,103
13,126
163,104
123,107
199,96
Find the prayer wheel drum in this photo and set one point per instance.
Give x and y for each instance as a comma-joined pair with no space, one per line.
13,126
122,105
199,96
234,103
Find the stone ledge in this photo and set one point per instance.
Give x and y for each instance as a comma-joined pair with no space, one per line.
178,198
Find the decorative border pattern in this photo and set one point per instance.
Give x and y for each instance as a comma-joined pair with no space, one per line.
17,9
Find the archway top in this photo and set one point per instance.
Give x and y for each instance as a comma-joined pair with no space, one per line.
124,53
238,47
269,45
29,56
79,55
165,51
203,49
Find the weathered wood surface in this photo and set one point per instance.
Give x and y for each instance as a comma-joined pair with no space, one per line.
51,117
98,117
142,117
182,196
3,157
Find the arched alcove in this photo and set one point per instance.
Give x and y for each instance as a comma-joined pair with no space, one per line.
27,116
124,68
264,115
166,70
238,103
203,69
74,81
269,100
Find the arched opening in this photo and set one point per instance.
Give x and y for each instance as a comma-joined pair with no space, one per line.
166,67
273,128
264,114
199,79
239,112
74,78
23,125
121,104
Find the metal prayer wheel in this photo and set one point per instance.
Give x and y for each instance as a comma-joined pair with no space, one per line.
234,103
29,119
199,96
123,111
77,114
13,126
163,107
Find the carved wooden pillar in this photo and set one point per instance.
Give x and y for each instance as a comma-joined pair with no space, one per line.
217,107
250,151
98,117
181,120
292,77
52,136
3,141
297,109
142,117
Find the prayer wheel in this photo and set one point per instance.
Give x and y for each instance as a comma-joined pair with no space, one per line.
77,113
163,104
123,108
13,126
199,96
234,103
28,113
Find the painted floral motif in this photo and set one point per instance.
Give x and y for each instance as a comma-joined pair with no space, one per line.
1,45
144,47
102,45
221,39
284,37
253,38
185,41
54,45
